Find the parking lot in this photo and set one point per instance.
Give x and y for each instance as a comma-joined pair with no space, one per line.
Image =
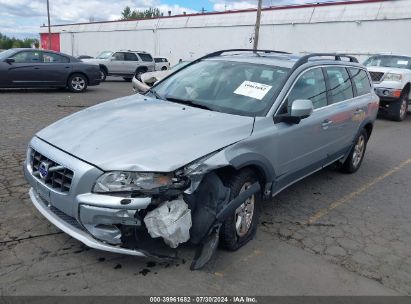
329,234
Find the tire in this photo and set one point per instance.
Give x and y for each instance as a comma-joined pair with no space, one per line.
232,236
356,156
139,72
77,83
398,108
164,68
103,74
128,79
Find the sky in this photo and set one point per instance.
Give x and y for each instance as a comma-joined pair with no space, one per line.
22,18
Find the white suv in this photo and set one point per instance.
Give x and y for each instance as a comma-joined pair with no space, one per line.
391,75
123,63
162,64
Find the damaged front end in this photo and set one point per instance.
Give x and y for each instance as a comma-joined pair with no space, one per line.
188,205
137,213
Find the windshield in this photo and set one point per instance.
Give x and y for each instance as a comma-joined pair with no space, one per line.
104,55
401,62
225,86
179,65
5,54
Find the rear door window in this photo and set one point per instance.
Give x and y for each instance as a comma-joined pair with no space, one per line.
131,57
54,58
360,81
339,84
145,57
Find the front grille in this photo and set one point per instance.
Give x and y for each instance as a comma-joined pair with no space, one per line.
376,76
56,176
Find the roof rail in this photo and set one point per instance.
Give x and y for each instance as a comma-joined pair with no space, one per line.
337,57
123,50
218,53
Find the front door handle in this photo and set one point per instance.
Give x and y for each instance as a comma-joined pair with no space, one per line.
326,123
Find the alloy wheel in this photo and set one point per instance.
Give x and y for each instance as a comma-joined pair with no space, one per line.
403,108
358,151
244,214
78,83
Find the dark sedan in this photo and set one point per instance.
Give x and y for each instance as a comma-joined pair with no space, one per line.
28,68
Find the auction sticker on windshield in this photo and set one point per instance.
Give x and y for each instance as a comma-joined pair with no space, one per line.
253,89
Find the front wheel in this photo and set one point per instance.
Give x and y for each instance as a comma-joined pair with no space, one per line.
399,108
77,83
138,73
356,156
241,227
103,74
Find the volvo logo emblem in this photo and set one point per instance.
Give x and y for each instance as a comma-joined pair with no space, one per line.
43,169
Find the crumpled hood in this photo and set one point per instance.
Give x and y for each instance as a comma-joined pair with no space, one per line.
139,133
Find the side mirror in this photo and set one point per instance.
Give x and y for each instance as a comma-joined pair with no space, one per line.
300,109
10,60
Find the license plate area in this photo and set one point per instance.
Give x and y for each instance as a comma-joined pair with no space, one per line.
44,193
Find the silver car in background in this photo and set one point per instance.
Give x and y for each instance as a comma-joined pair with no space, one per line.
193,158
124,63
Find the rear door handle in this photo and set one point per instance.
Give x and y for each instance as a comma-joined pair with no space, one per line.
358,111
326,123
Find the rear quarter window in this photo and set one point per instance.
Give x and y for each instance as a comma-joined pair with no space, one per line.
145,57
360,81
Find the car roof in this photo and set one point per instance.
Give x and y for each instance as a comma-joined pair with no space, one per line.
280,59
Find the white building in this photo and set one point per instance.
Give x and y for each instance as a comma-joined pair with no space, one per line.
359,27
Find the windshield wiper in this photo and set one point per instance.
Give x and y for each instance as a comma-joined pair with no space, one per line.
189,103
154,93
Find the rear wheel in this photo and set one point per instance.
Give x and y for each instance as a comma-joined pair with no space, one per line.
77,83
164,68
241,227
356,156
399,108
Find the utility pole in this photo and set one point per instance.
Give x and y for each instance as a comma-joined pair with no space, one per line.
48,18
257,25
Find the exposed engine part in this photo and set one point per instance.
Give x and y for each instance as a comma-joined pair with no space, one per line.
171,221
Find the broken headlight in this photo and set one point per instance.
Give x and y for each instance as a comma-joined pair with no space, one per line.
122,181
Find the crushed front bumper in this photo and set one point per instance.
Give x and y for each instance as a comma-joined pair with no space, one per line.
76,230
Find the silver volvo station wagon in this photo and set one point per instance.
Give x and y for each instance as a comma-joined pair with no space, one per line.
191,160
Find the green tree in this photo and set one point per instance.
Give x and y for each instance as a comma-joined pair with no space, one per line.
7,42
128,14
